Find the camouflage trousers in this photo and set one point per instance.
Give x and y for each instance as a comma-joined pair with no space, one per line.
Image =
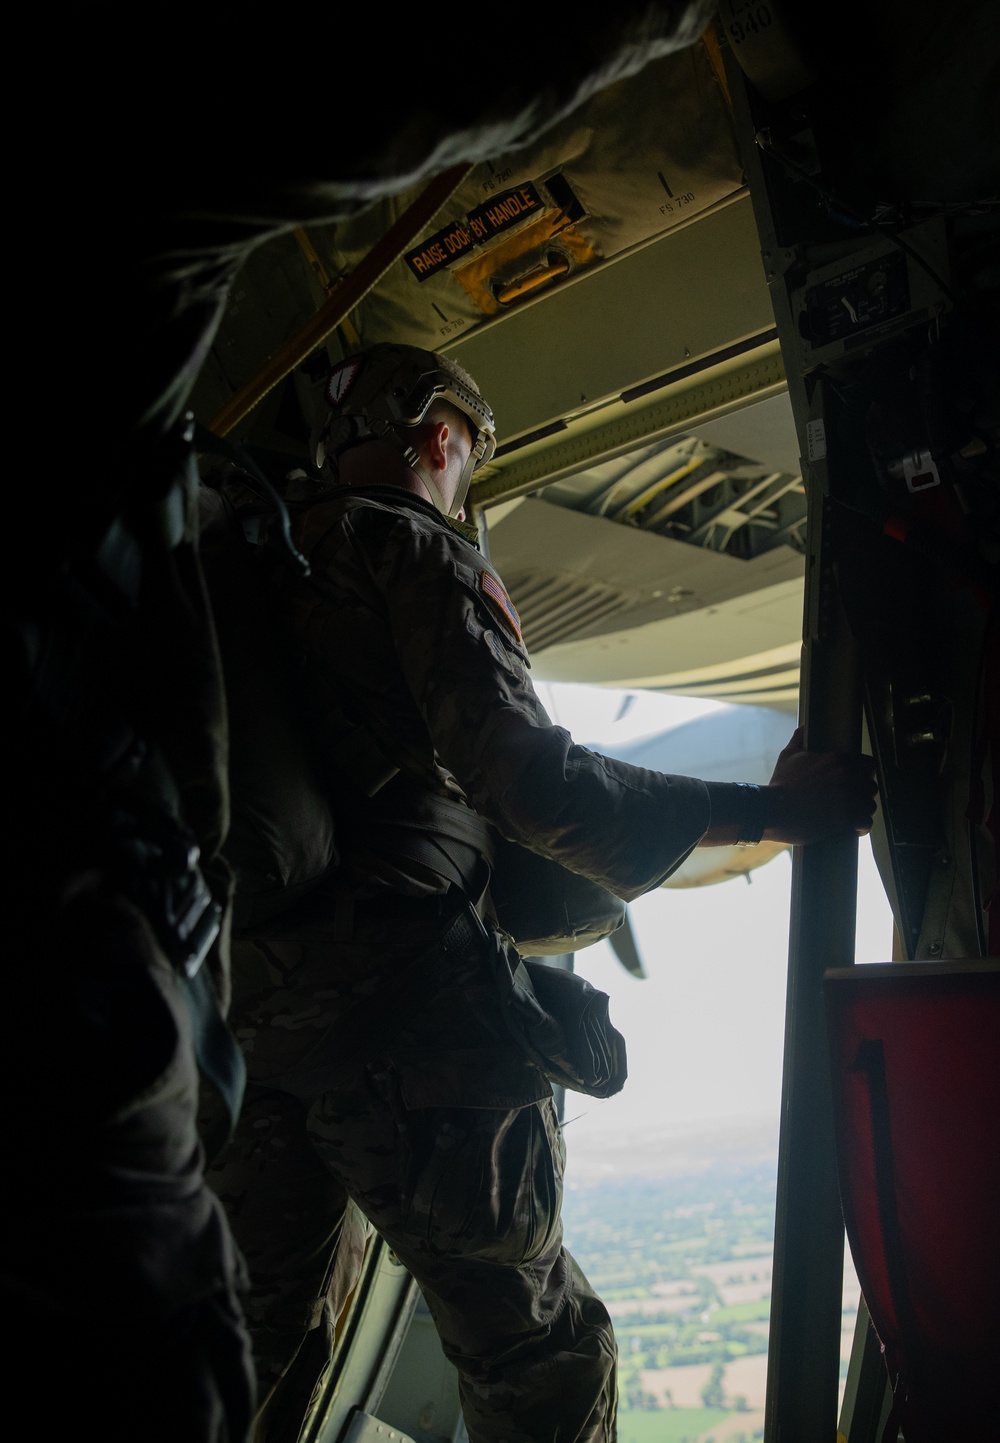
449,1146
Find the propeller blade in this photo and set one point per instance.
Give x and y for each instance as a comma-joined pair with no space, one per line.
626,949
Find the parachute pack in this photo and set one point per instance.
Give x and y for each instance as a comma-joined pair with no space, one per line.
281,838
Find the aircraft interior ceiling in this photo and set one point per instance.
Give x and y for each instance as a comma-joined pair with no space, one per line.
662,461
663,532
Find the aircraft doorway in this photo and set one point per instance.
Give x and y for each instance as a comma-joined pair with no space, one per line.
670,1185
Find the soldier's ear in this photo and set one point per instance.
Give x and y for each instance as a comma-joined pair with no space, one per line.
436,441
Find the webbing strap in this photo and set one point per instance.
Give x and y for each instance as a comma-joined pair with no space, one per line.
422,835
218,1056
153,857
438,817
427,852
207,440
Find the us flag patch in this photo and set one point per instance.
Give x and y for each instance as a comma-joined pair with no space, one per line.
495,593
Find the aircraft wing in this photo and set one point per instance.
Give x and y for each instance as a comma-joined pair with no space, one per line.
733,744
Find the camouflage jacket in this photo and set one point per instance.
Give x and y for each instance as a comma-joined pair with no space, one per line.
410,651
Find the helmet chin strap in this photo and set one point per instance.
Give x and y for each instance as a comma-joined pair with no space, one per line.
383,431
420,470
412,458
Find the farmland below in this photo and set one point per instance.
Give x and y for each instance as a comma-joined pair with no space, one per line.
682,1259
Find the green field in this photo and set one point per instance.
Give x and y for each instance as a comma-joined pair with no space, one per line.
633,1235
755,1312
668,1425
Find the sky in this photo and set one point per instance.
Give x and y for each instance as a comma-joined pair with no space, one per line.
705,1029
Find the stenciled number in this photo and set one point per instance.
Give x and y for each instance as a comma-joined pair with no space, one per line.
758,19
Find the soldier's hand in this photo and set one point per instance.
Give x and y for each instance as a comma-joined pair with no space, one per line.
813,795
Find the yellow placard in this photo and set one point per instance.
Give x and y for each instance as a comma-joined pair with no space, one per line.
494,279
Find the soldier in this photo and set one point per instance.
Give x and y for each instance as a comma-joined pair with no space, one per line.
440,1131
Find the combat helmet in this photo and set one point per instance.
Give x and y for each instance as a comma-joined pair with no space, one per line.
380,393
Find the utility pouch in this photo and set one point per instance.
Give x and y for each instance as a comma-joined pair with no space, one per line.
560,1021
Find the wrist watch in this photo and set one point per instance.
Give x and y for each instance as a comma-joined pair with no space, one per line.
751,821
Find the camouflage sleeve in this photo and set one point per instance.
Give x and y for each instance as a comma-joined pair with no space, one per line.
457,639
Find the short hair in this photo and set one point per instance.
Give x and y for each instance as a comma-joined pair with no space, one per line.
441,409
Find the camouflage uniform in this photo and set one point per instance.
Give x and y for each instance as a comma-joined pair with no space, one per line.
448,1142
124,1262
